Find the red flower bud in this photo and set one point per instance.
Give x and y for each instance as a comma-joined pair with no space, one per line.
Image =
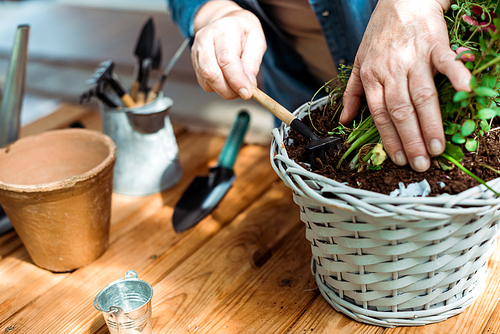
466,57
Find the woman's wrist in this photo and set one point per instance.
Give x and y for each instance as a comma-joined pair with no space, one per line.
212,11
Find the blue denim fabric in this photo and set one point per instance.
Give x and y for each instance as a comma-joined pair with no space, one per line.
284,73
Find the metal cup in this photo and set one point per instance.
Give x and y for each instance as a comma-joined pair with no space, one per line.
126,305
147,154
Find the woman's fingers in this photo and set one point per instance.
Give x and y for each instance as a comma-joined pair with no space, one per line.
403,46
227,54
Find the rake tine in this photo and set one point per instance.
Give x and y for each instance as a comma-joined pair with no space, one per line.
87,96
322,154
312,160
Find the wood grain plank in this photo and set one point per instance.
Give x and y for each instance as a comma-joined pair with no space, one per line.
91,120
475,318
22,281
493,325
139,249
229,272
254,177
9,243
60,119
321,317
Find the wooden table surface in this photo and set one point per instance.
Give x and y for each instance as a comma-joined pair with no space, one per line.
243,269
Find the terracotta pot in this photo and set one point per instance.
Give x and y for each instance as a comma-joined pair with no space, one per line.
56,189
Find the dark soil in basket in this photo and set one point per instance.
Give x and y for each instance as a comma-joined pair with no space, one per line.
388,178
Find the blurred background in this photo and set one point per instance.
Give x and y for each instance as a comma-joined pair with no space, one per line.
68,39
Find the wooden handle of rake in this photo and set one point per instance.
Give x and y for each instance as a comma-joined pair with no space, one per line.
274,107
282,113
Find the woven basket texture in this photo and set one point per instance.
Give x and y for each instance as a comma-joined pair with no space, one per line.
392,261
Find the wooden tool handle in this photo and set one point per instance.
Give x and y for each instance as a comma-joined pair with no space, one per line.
134,89
153,92
128,101
141,99
274,107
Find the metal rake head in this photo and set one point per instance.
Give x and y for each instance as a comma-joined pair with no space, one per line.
317,147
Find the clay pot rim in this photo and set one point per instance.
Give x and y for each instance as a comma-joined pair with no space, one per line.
72,180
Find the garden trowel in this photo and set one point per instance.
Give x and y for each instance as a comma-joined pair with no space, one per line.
204,193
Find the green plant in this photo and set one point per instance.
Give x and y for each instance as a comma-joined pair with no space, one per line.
474,33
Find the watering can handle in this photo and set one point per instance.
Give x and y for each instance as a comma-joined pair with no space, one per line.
131,274
10,108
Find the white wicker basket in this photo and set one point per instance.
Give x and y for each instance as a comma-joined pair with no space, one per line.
392,261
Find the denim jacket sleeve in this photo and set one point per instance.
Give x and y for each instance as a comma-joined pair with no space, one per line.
183,13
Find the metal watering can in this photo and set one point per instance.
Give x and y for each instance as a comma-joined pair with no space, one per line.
147,153
12,100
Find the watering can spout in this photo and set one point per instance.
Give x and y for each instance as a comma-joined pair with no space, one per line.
11,103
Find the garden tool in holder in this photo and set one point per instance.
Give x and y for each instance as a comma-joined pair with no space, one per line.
143,50
317,146
143,87
98,91
104,75
158,86
11,104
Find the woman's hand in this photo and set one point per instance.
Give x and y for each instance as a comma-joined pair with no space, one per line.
228,48
405,44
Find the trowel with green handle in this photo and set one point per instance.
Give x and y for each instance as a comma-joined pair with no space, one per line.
205,193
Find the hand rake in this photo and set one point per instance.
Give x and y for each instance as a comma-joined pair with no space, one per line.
316,146
104,74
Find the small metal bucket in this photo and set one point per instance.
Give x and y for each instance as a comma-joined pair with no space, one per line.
126,305
147,154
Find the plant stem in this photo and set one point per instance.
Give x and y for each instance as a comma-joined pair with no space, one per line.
459,165
360,128
371,134
491,168
485,66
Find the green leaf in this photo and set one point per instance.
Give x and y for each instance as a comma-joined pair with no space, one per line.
458,138
460,96
450,128
468,127
496,21
473,82
455,7
483,100
485,91
496,108
489,81
445,164
485,126
469,65
471,145
464,103
454,151
486,113
482,43
448,107
376,167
